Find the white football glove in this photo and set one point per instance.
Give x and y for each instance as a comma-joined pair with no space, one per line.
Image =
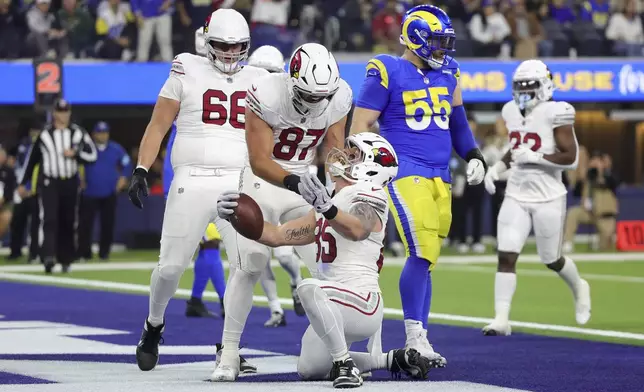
493,175
475,171
315,193
523,155
225,204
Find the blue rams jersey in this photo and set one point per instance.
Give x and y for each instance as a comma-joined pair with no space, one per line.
415,107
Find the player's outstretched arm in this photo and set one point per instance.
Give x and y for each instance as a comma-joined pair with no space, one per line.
259,138
165,111
356,225
300,231
463,140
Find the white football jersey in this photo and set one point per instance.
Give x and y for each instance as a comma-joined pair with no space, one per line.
296,137
211,121
536,183
354,263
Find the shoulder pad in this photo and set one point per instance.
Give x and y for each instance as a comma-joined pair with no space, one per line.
382,66
563,113
343,99
371,194
454,67
179,64
262,93
506,109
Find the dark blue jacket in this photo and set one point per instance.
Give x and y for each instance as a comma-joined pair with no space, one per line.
102,176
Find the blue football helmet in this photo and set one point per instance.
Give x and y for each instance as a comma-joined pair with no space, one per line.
427,31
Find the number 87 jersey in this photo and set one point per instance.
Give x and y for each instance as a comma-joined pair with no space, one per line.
295,136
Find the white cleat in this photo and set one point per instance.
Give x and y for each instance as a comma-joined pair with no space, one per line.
582,302
225,373
497,329
422,345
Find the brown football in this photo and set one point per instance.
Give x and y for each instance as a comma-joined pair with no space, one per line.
248,219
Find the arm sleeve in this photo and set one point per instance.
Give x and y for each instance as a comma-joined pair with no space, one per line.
33,157
374,93
259,99
86,148
173,86
563,114
459,128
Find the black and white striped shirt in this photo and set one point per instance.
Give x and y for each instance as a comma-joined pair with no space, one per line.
49,150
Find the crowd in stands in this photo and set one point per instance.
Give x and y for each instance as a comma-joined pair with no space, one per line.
142,30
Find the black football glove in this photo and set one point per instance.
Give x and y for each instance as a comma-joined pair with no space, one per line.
138,186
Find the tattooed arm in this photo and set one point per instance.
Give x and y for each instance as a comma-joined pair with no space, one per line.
300,231
356,225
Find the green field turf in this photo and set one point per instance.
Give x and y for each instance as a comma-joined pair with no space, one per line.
467,290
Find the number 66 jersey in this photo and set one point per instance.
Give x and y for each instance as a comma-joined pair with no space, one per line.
536,183
210,124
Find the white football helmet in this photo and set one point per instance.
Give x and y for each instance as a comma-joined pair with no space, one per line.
531,84
200,42
267,57
315,78
223,29
366,157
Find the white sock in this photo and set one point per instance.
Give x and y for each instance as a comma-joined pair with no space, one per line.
367,362
505,283
413,328
292,266
326,320
162,288
238,302
269,286
570,274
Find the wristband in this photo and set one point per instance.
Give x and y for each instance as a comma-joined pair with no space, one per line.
291,183
331,213
140,171
475,153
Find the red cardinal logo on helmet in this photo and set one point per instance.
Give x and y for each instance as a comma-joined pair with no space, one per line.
295,65
206,23
384,157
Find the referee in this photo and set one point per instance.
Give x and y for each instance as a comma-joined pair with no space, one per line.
59,149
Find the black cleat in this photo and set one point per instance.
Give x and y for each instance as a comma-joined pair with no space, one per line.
222,312
147,351
196,308
408,361
345,374
49,265
245,367
297,304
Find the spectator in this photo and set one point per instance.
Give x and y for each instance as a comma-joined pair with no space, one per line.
25,209
77,23
191,15
355,26
625,30
562,12
386,28
488,29
598,206
153,16
526,31
269,19
10,41
7,186
596,11
105,179
43,39
115,30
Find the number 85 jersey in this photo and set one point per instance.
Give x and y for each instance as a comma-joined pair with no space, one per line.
210,123
295,136
415,106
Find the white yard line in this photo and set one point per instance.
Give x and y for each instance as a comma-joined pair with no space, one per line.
138,288
396,261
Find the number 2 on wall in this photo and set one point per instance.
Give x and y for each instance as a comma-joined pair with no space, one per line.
439,111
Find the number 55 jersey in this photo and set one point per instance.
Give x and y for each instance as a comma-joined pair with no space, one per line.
210,123
415,106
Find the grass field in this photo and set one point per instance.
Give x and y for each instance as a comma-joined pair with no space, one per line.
462,289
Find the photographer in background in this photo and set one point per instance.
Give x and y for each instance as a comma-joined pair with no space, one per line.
596,187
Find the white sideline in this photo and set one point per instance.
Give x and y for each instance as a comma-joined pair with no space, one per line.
137,288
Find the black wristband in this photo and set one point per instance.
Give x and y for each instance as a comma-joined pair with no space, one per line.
331,213
139,171
475,153
291,183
